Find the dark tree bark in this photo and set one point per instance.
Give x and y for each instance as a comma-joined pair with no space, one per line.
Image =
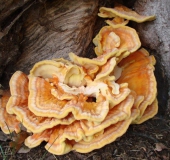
8,9
47,30
156,36
10,13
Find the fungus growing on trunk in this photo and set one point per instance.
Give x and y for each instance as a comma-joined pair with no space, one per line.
109,135
110,38
18,105
62,136
117,22
84,104
8,122
137,71
19,91
123,12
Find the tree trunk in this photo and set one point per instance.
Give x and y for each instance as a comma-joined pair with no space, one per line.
156,36
47,30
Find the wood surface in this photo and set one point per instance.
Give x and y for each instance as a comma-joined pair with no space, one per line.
155,35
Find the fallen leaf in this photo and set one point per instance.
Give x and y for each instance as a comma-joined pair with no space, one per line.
160,146
18,140
16,146
24,149
159,136
143,148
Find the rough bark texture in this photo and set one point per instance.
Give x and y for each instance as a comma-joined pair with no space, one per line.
10,12
156,36
49,25
40,31
8,9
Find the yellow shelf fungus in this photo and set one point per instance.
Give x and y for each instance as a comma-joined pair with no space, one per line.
109,39
123,12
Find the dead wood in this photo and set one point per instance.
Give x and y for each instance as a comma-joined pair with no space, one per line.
40,31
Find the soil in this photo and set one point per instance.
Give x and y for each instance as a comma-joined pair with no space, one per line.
147,141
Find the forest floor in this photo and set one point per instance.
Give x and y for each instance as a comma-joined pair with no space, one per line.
147,141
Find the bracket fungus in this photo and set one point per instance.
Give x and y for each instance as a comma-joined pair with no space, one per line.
8,122
110,38
84,104
109,135
117,22
123,12
138,73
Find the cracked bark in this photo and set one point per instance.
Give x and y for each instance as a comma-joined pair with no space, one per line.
40,31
